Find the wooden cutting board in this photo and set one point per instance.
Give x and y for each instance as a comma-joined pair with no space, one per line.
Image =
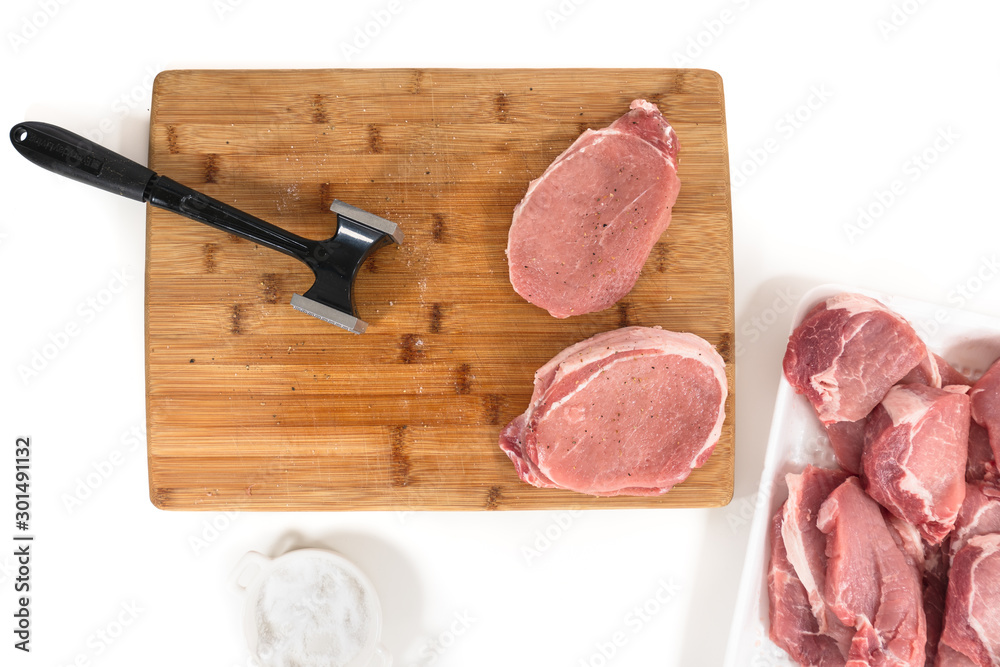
253,405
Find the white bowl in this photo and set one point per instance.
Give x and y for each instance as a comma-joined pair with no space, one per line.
310,608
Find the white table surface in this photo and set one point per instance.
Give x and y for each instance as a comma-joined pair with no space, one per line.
830,107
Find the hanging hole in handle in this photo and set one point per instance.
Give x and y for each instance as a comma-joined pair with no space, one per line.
20,134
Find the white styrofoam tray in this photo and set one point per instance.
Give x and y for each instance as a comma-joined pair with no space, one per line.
969,341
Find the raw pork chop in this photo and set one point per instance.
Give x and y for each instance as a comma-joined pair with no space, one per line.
848,442
793,626
985,397
950,374
930,562
916,449
585,227
981,463
934,371
626,412
927,372
935,582
805,545
972,610
909,541
846,354
980,514
871,585
949,657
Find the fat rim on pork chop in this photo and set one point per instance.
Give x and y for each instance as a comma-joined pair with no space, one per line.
626,412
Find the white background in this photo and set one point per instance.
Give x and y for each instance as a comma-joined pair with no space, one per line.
828,104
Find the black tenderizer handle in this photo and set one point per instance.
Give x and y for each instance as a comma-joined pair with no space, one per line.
70,155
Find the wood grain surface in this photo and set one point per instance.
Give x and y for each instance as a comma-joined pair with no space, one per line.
253,405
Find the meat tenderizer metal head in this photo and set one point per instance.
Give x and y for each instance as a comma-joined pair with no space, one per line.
334,262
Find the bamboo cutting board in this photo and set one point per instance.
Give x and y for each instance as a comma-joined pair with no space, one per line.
253,405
